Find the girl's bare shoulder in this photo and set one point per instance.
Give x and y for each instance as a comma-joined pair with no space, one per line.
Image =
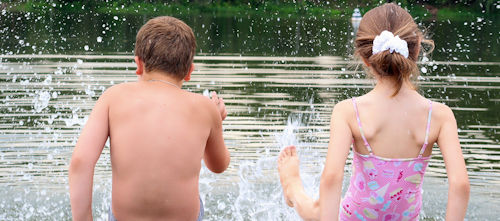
343,108
345,104
442,114
441,110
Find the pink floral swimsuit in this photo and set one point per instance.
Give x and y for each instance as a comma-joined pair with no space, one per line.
382,188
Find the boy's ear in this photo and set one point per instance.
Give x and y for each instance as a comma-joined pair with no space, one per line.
140,66
188,75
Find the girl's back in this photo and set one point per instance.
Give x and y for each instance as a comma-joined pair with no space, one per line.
394,127
393,130
391,136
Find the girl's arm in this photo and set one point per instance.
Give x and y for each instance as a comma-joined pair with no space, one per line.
459,187
338,150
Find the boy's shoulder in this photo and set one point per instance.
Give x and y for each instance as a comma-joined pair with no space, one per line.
198,99
110,93
125,89
119,88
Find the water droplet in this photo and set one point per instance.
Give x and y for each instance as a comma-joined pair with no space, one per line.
221,206
424,70
206,93
41,100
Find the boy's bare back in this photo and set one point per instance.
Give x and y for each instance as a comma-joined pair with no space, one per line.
158,134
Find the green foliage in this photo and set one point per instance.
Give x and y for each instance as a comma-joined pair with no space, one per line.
447,9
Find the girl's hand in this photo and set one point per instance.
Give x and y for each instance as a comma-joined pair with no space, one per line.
219,102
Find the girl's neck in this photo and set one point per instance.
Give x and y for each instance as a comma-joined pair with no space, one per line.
386,87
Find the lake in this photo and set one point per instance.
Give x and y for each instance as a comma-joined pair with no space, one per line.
280,78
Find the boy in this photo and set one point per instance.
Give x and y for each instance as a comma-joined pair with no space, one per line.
158,134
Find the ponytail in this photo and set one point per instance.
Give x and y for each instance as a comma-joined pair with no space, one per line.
394,66
397,65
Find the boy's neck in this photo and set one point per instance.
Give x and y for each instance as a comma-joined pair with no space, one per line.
159,76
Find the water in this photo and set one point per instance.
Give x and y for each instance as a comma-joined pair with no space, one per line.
279,79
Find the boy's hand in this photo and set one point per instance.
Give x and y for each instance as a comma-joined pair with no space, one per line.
219,102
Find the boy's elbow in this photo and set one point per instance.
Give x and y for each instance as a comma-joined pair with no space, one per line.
218,170
221,166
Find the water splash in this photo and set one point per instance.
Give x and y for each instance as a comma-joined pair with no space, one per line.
36,154
41,100
288,137
256,191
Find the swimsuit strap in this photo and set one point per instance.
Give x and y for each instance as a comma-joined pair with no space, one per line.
426,131
367,145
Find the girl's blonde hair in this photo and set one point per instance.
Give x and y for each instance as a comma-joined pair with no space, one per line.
395,19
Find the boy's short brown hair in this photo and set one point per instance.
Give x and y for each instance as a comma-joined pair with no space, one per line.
166,44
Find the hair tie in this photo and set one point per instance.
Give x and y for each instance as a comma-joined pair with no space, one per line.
387,41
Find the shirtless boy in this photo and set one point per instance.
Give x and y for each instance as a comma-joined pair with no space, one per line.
158,134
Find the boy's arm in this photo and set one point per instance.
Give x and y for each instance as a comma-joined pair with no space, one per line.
85,155
459,187
216,155
338,149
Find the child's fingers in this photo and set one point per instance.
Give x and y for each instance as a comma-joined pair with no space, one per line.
213,95
223,107
220,104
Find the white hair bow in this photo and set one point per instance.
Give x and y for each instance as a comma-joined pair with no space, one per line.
387,41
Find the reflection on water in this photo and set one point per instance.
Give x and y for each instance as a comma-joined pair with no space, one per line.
272,102
245,34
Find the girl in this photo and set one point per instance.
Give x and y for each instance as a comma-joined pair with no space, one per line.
392,129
